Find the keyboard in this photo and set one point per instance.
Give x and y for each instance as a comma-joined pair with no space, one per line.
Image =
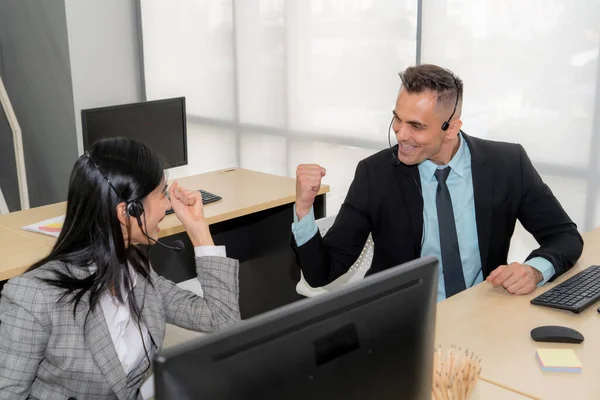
575,294
207,197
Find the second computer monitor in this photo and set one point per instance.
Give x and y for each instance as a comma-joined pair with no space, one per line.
370,340
161,124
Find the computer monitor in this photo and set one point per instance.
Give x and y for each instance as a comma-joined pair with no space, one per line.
161,124
369,340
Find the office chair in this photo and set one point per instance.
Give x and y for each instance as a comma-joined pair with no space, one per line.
356,272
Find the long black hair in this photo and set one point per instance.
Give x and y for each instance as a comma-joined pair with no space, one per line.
112,171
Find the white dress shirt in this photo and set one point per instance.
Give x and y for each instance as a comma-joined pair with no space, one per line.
124,332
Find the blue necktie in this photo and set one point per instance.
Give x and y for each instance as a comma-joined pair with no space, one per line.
454,279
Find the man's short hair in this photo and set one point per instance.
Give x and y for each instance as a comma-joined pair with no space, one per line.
429,77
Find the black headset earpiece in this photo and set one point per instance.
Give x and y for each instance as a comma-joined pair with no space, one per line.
394,161
135,209
446,124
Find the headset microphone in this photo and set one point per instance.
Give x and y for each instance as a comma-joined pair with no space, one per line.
177,244
394,161
136,209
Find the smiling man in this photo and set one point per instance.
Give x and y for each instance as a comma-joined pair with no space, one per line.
438,192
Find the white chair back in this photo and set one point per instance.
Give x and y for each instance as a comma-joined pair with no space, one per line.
356,272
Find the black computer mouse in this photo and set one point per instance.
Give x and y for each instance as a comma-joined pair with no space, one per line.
556,334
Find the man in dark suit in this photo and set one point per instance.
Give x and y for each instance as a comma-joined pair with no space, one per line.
438,192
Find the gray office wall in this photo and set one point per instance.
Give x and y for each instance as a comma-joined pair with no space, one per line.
58,57
8,170
36,71
103,46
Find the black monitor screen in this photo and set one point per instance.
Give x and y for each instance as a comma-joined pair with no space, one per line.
368,340
161,124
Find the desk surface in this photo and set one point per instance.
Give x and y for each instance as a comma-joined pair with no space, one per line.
243,191
496,326
487,391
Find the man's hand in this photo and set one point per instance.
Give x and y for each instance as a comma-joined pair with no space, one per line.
308,183
516,278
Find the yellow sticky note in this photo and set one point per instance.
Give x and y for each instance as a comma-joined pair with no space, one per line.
563,360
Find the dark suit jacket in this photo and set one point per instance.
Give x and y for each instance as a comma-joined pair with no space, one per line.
386,200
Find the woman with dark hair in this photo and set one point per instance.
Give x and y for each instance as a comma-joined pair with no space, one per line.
85,321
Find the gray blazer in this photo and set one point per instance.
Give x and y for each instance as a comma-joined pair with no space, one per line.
47,354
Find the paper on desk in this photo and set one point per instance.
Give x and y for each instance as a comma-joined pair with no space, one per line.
49,227
558,360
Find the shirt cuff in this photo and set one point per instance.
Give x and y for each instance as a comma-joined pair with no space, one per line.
544,266
305,229
205,251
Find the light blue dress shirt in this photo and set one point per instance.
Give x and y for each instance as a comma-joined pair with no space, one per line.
460,186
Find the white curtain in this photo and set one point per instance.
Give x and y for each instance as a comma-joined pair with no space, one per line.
531,76
273,83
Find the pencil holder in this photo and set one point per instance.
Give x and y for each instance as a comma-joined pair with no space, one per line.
455,373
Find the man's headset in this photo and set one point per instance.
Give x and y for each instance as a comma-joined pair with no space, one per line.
394,161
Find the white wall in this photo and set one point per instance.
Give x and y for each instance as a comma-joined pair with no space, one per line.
104,54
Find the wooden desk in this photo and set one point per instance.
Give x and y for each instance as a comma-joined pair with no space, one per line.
18,250
483,390
496,326
487,391
25,248
253,220
244,192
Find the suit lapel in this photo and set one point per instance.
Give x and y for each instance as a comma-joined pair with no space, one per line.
482,191
410,183
97,337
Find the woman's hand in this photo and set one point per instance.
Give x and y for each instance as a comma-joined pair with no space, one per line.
187,205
